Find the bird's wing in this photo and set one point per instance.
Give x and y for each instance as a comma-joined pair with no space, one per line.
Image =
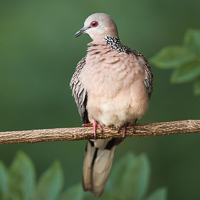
148,81
79,92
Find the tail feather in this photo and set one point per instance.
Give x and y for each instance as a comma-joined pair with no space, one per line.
97,166
101,170
87,166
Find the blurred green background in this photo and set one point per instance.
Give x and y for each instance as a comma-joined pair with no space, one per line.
38,55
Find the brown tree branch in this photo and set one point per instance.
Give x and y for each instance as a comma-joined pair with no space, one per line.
72,134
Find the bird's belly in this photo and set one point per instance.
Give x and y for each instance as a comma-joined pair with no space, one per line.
116,114
124,108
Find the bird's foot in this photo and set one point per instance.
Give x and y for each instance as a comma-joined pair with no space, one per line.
95,125
124,129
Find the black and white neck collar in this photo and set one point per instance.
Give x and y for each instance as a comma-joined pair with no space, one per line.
116,44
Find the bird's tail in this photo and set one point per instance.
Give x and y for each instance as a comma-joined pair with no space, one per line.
98,160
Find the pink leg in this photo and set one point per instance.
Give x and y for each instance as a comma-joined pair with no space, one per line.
131,127
95,125
87,125
124,129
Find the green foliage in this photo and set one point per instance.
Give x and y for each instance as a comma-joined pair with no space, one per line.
129,181
21,178
50,183
192,41
160,194
186,72
138,169
75,192
184,59
3,181
197,87
18,182
172,56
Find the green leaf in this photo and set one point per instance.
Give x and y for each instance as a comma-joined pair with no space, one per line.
75,192
3,181
192,41
105,196
108,193
135,180
21,177
172,56
186,72
159,194
197,87
50,183
131,177
119,169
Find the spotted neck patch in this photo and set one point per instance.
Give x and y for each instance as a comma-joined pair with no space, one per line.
116,44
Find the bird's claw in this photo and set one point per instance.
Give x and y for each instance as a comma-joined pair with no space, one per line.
124,129
95,125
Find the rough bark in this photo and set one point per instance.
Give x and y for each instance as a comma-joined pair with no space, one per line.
82,133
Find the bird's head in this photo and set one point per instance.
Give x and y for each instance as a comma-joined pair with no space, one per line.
99,25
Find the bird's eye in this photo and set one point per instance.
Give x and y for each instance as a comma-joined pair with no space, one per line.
94,24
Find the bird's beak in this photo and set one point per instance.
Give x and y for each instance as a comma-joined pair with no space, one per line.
81,31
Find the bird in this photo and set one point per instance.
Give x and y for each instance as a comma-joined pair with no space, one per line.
111,86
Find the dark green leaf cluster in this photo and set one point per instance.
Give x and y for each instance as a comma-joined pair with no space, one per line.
129,181
19,181
184,59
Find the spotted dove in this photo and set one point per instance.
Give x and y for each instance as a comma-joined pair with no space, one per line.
112,85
